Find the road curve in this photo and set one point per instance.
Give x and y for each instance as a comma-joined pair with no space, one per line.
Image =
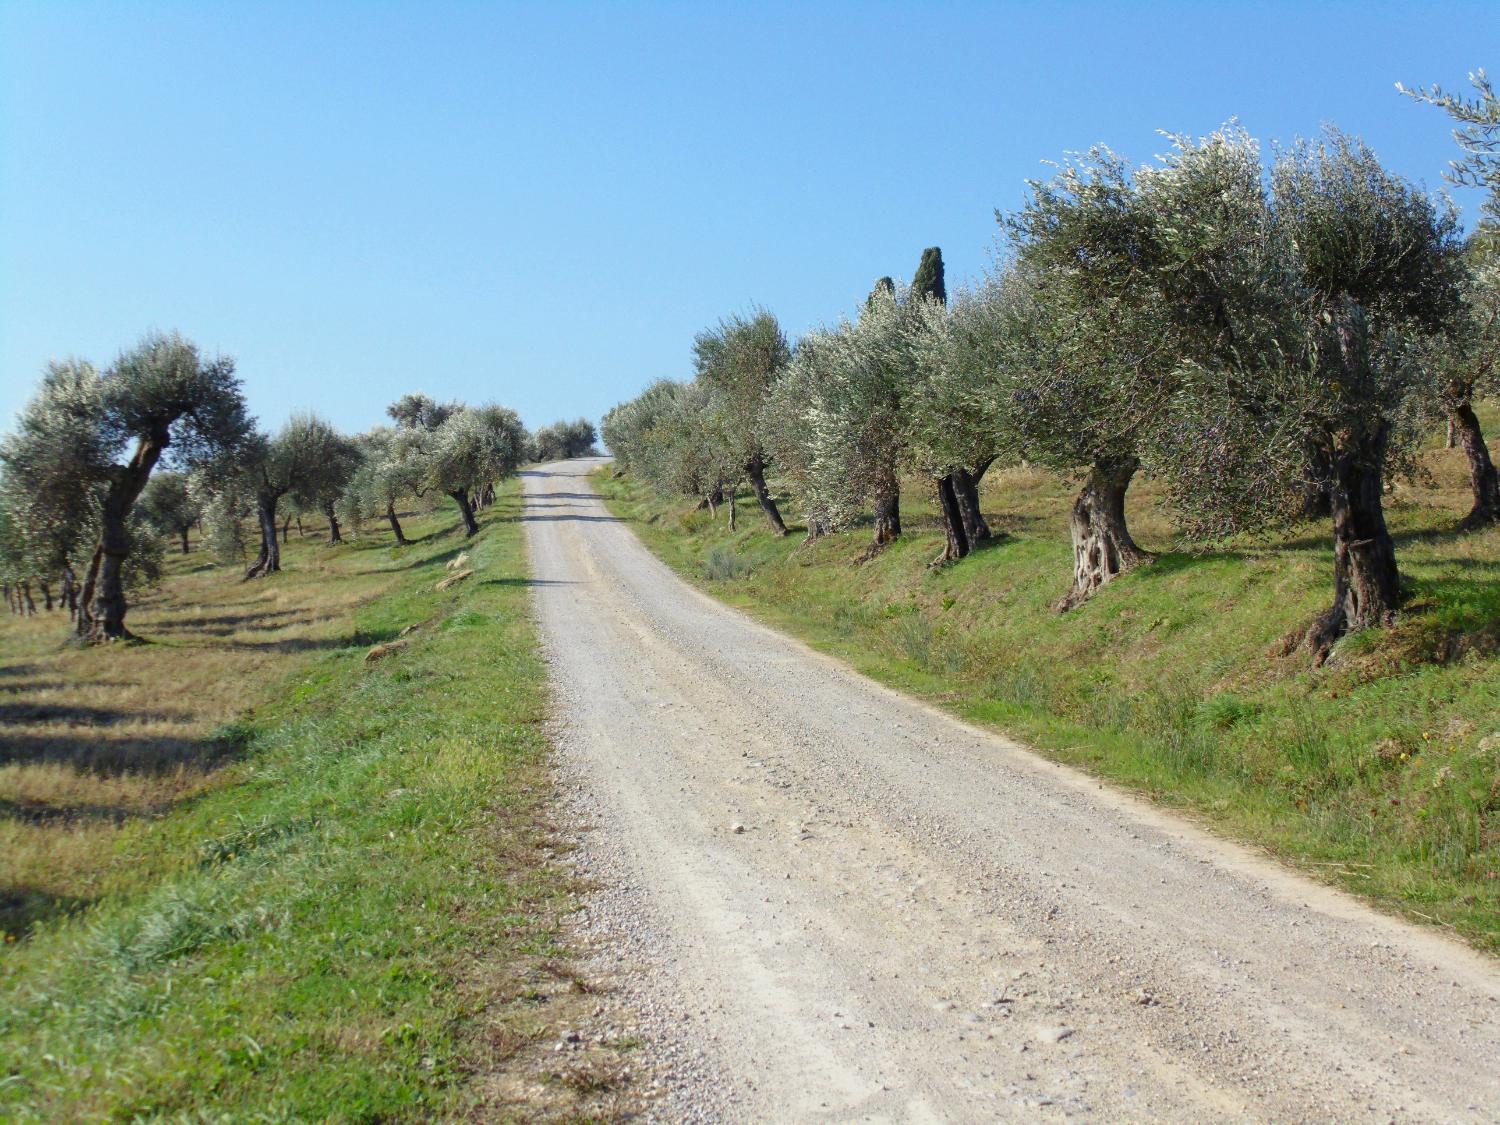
868,910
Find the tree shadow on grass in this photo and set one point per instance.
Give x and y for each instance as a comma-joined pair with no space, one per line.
116,756
79,715
43,813
359,639
248,618
22,908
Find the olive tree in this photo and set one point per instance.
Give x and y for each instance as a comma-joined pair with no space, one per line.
1377,260
390,469
740,360
626,428
1470,361
1466,364
158,397
563,440
957,422
324,481
672,436
1306,311
52,471
1476,132
294,459
789,420
1089,354
169,506
471,449
849,413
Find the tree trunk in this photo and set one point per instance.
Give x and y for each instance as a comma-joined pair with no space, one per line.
333,522
1102,546
887,510
286,532
956,539
461,496
26,593
1366,583
390,514
86,595
1482,475
107,608
817,527
1451,441
268,561
46,595
755,469
733,509
70,590
966,490
712,500
489,494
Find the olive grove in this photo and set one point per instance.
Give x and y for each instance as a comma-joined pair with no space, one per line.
1266,338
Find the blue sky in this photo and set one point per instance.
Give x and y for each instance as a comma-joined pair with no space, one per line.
540,204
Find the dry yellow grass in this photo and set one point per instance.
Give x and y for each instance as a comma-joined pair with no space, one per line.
93,740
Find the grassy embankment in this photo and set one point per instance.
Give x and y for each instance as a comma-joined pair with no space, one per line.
1380,771
249,876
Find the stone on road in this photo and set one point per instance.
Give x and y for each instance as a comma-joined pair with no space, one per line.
837,903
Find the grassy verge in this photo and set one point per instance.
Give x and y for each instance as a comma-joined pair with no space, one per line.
343,913
1380,771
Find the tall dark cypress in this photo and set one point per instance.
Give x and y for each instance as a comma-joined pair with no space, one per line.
929,279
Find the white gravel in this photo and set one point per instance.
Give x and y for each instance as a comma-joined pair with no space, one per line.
831,902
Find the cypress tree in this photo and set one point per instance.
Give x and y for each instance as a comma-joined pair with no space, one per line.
929,279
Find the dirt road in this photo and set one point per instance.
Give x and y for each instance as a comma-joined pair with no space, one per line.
850,906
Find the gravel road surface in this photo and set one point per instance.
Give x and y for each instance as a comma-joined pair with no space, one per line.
829,902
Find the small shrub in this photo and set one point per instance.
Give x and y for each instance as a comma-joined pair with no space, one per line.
723,564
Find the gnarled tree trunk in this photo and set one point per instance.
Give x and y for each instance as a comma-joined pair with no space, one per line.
390,515
334,535
955,538
1366,582
1482,476
268,561
887,509
966,490
107,609
183,532
466,509
86,595
755,470
1102,546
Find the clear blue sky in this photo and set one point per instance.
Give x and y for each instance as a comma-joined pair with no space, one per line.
540,204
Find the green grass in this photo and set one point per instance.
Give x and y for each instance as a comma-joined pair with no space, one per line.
339,928
1380,771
